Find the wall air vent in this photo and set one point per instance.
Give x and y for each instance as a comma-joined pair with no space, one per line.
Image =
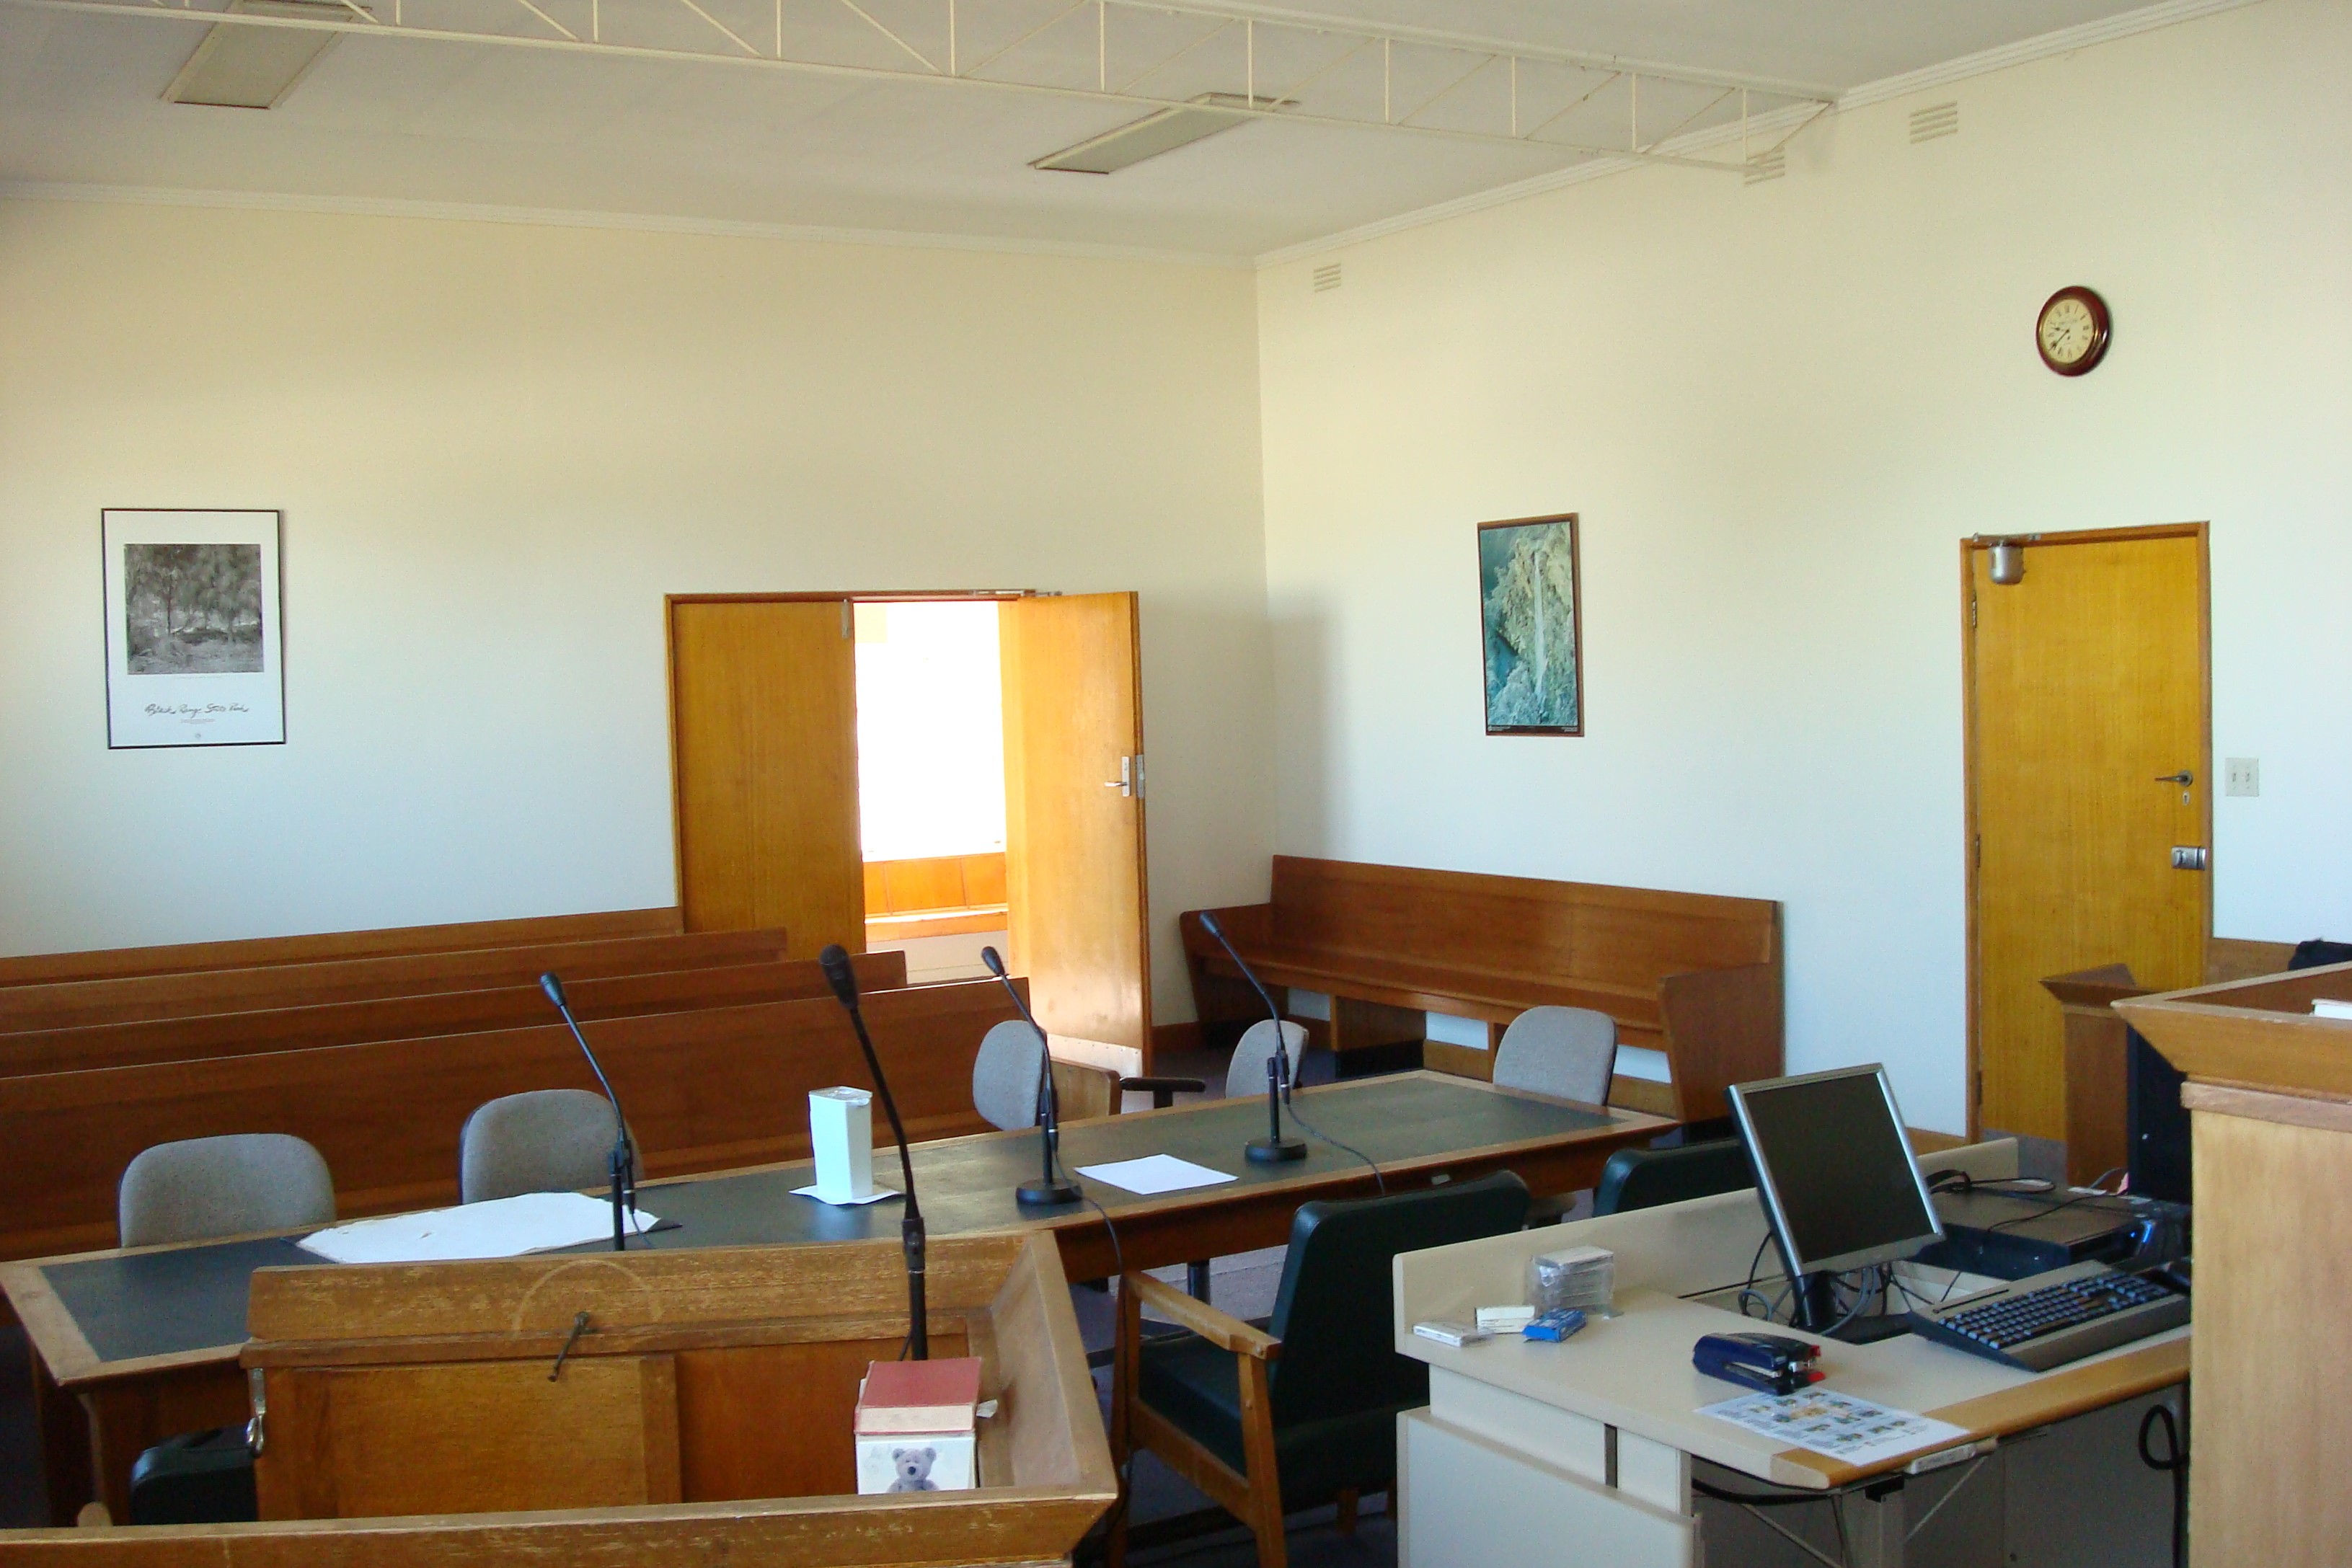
1765,166
1327,277
1936,120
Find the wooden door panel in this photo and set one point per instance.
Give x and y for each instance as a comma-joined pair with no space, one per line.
2089,682
764,734
1075,867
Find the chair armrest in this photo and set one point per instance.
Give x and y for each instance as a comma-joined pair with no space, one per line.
1220,1329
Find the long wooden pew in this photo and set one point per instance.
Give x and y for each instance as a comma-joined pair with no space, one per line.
1691,978
312,947
704,1090
209,1035
65,1004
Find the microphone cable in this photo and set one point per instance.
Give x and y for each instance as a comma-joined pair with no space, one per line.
1379,1179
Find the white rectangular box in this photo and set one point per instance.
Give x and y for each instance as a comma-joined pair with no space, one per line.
916,1461
840,1129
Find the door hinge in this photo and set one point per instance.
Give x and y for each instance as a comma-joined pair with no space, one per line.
1139,776
1979,1085
848,621
1972,612
1976,853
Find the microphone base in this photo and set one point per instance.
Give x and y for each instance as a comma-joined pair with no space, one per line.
1274,1151
1047,1193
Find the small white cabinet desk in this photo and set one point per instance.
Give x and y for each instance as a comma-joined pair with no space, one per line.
1594,1452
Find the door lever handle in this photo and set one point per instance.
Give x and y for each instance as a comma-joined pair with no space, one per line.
2183,777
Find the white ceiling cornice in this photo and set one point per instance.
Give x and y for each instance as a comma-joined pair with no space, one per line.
467,212
2148,18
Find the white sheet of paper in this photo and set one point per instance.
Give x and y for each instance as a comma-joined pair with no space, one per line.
1154,1174
1835,1424
502,1227
877,1196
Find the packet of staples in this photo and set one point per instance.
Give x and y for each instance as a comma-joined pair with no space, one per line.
1578,1276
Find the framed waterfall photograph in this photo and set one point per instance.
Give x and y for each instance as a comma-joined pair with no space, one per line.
194,651
1532,612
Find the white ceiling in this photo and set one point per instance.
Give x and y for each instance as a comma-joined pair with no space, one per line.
432,122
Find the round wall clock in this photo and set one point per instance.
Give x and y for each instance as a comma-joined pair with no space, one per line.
2072,330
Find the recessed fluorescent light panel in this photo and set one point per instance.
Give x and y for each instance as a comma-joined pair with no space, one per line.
239,67
1156,134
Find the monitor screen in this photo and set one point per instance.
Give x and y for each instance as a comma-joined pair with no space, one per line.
1838,1179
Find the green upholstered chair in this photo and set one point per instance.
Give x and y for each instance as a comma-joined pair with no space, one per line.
1269,1420
1645,1178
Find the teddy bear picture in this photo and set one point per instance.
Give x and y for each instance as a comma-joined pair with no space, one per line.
914,1469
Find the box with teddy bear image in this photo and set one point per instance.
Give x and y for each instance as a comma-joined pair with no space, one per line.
915,1423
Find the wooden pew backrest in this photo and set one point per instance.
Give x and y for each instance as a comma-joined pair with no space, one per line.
64,1004
447,1012
1515,924
258,952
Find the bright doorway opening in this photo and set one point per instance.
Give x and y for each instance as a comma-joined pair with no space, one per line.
930,782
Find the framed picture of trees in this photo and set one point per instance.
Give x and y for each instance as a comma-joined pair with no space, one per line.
194,651
1532,606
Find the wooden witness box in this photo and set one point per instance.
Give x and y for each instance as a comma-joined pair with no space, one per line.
415,1414
2270,1103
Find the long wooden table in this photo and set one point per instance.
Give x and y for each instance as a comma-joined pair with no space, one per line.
129,1346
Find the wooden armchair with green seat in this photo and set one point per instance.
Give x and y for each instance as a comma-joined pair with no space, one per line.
1271,1419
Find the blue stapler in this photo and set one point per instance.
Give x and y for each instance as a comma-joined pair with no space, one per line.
1771,1362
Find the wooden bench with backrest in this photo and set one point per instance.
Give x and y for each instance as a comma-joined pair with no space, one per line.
188,1039
707,1089
61,1004
1693,979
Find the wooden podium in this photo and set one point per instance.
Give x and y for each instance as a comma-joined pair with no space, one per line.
415,1415
2270,1100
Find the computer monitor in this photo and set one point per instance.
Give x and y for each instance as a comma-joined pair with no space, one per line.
1840,1186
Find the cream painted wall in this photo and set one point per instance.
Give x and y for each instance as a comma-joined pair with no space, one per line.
1778,408
496,447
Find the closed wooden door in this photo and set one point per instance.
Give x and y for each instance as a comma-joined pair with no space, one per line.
1073,791
2089,755
763,718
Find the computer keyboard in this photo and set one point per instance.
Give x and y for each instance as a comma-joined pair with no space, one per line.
2052,1318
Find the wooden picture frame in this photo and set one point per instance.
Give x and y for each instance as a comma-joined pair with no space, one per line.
194,627
1530,613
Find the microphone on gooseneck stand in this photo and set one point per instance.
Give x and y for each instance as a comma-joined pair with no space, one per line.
1049,1188
834,962
625,1155
1274,1147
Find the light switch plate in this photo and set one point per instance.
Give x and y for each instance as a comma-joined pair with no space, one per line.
2243,775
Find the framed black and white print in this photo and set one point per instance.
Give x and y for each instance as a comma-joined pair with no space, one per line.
195,650
1531,609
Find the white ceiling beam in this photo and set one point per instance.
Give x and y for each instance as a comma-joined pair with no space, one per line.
1657,149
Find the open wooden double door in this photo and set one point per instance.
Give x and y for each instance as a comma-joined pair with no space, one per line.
763,725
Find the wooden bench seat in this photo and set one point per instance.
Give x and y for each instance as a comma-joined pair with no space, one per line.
1695,977
251,1033
707,1089
64,1004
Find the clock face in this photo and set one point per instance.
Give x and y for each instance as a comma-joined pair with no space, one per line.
2072,332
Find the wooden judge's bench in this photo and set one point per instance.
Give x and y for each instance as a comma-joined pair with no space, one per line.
2269,1101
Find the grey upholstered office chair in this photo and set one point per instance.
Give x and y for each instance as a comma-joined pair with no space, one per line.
547,1140
203,1187
1246,1074
1565,1052
1004,1075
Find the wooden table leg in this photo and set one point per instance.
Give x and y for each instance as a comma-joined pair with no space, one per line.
65,1446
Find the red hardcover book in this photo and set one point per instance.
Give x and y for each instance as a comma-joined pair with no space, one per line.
919,1397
